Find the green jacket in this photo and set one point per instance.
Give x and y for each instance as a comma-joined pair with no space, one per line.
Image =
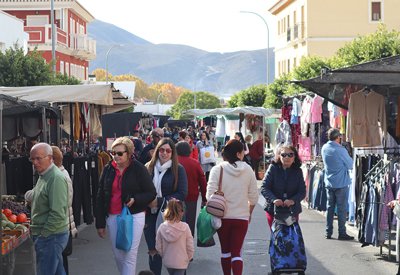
50,204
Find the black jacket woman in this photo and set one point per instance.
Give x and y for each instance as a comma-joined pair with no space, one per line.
170,181
284,184
123,181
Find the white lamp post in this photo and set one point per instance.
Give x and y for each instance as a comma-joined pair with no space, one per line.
107,60
158,106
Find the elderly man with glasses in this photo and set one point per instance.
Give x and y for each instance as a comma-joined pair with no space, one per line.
49,214
148,151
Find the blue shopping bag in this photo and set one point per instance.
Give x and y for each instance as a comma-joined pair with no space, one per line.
125,230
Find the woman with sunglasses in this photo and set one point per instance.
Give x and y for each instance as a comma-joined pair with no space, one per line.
170,181
203,143
123,182
284,184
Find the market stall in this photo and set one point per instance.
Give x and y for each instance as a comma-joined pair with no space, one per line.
369,94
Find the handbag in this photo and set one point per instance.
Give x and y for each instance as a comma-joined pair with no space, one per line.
207,155
125,230
209,243
284,216
204,228
160,215
216,205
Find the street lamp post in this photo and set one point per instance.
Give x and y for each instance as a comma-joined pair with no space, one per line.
268,42
53,37
195,86
158,106
107,60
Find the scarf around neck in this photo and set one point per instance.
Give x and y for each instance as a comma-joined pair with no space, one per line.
159,171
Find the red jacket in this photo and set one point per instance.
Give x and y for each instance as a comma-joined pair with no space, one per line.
195,177
194,154
256,150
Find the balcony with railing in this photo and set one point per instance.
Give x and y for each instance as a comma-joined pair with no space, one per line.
299,32
83,47
42,35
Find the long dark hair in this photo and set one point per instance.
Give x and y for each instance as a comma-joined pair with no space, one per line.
207,136
240,135
297,161
229,153
174,158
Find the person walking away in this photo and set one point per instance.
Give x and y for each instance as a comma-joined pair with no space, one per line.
239,186
256,152
212,137
148,151
196,179
194,154
181,136
123,182
170,181
283,184
204,142
337,163
138,143
174,241
49,212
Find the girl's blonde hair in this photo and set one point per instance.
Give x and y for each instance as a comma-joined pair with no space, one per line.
174,210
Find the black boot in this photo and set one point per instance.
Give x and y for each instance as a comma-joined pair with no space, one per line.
155,263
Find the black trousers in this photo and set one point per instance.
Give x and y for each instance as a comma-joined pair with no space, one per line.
19,176
94,175
255,164
191,209
82,193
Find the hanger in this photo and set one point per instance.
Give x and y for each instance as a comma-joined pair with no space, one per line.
366,90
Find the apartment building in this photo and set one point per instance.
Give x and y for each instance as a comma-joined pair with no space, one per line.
321,27
73,47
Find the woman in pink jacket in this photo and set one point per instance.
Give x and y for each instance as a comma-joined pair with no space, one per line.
174,241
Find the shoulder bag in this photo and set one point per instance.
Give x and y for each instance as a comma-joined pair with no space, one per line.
216,205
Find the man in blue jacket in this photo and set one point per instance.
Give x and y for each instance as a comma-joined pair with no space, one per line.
337,164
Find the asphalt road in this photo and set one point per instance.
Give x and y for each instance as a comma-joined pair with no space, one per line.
93,255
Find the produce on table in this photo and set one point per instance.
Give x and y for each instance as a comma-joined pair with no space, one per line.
15,207
7,212
6,224
12,218
22,218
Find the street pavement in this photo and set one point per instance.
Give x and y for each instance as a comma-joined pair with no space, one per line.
93,255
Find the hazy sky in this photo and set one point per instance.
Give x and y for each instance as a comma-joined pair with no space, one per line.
211,25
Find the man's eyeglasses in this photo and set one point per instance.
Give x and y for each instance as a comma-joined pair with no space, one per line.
162,150
157,135
38,158
118,153
290,155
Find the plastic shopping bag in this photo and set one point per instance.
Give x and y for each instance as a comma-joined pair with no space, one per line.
204,228
125,230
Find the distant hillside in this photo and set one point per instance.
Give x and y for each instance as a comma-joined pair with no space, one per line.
178,64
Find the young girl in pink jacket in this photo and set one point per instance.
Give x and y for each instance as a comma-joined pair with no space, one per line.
174,241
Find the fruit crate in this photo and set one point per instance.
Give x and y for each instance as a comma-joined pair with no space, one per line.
19,234
6,245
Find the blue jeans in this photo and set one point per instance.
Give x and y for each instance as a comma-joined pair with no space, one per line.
49,253
336,196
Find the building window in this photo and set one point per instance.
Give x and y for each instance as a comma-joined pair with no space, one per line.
294,62
279,68
376,13
279,27
288,65
67,68
62,67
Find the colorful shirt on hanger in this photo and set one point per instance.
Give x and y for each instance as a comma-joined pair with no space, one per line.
316,109
296,111
305,117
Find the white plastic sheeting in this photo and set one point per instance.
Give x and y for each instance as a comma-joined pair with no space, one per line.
259,111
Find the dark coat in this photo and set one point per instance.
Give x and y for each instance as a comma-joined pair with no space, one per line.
144,156
136,183
167,186
274,183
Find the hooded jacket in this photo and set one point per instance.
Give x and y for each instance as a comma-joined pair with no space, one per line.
174,243
239,185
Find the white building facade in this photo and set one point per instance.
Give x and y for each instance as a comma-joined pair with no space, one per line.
13,33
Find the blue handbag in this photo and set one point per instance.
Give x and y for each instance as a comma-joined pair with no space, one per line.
125,230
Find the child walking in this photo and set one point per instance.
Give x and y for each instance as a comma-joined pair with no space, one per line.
174,241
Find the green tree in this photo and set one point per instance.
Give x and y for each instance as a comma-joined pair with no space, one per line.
64,79
276,90
20,69
233,101
253,96
186,102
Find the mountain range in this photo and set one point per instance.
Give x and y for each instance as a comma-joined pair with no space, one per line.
222,74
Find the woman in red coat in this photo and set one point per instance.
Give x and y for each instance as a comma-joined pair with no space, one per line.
189,139
256,152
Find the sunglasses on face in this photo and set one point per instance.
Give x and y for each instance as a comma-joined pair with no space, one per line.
158,136
290,155
118,153
162,150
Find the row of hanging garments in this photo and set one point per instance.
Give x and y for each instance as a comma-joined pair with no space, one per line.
313,173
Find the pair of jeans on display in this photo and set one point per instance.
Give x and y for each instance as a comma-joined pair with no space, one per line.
336,196
49,253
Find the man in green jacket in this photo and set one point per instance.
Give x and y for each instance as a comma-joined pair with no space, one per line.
49,219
